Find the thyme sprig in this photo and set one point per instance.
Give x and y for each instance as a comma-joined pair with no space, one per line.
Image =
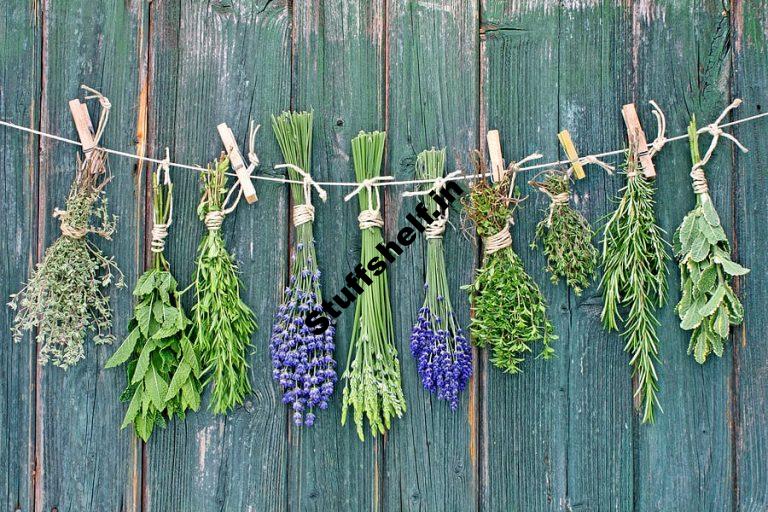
708,305
372,385
223,323
634,282
67,295
565,235
510,312
161,363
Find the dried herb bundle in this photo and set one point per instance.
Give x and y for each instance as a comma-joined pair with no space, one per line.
635,279
510,313
438,344
708,305
373,388
162,366
302,361
223,323
67,295
565,235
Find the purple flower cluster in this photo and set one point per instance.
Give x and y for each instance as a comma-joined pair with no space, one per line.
302,362
443,355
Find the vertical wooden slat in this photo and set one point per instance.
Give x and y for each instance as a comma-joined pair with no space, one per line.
78,413
430,456
339,71
525,427
750,82
20,56
219,62
594,80
683,460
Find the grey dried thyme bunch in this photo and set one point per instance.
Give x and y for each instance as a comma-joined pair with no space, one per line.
66,298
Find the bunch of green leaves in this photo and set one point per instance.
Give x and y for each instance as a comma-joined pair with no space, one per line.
67,295
634,282
161,363
510,312
223,323
708,305
373,386
566,237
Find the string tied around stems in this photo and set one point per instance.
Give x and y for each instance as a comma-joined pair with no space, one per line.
436,229
370,217
160,229
497,241
305,212
67,229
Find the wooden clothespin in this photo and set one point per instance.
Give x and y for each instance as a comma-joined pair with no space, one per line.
238,164
637,139
570,150
494,151
83,125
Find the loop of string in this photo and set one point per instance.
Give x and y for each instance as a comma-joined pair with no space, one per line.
716,131
160,229
498,241
370,217
303,213
106,106
661,128
436,229
516,167
253,162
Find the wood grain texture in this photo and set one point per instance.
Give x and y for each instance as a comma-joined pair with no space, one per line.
430,456
78,412
211,63
750,82
20,58
338,69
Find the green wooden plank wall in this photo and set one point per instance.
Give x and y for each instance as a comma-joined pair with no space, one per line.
561,436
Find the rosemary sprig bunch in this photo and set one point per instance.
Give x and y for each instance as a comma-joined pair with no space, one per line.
708,305
438,344
565,235
634,282
372,386
161,363
223,323
302,361
510,313
67,295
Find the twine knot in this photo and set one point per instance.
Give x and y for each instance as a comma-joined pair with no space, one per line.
592,159
303,213
716,131
370,217
214,219
498,241
68,229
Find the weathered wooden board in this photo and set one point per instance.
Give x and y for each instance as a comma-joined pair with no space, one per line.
750,82
78,440
430,455
211,63
20,55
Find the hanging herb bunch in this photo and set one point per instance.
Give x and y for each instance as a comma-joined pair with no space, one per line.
67,296
372,386
438,344
510,313
634,282
223,323
708,305
565,235
302,361
162,366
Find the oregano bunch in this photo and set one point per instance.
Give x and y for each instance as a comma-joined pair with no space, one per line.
708,305
223,323
565,235
161,364
67,295
372,387
510,312
634,282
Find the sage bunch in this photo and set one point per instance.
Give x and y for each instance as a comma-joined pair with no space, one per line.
223,323
565,235
161,363
708,305
634,282
67,296
302,361
372,386
510,312
438,343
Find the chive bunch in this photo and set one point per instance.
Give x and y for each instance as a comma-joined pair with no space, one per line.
224,323
302,361
438,344
372,377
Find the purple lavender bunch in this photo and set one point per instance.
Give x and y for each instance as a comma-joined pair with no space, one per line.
302,361
438,344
